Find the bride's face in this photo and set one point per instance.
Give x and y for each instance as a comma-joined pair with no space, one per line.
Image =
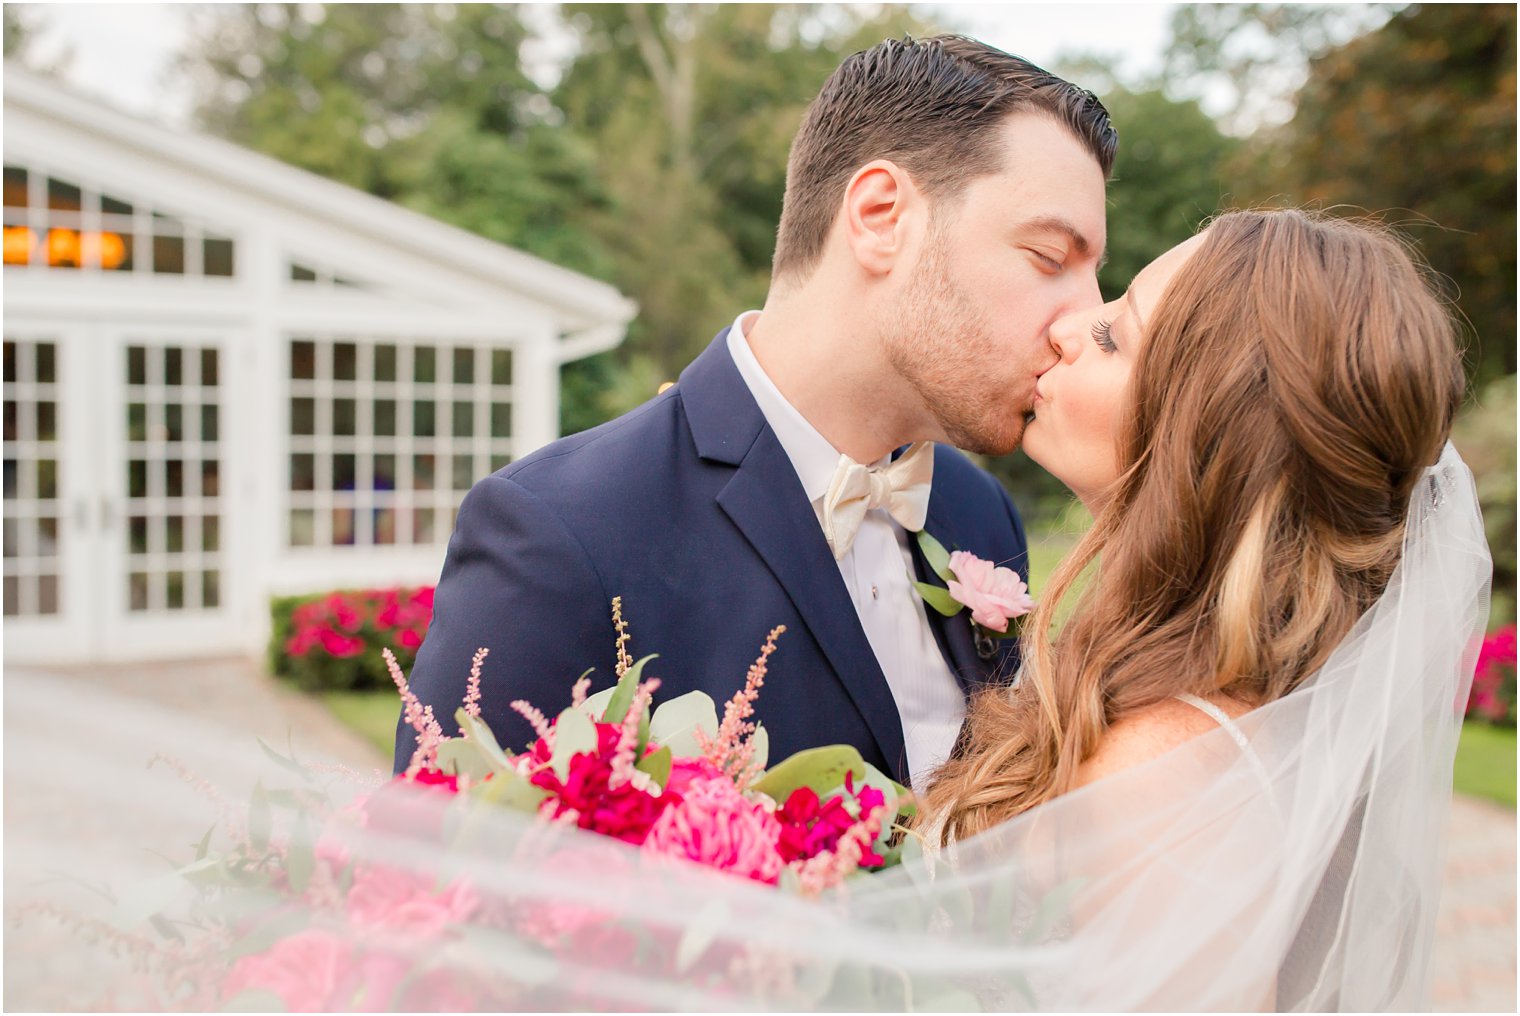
1079,403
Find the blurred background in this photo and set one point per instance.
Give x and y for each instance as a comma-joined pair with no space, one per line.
474,227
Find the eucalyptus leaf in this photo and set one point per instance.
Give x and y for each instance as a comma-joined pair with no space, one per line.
484,740
676,721
300,855
760,744
939,598
574,734
464,756
595,706
622,695
935,554
657,765
821,769
509,790
259,818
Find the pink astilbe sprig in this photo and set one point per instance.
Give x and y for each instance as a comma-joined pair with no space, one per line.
579,690
472,689
831,867
540,724
732,750
628,737
417,716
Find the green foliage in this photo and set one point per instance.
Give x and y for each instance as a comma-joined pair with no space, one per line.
1485,765
1485,435
1417,118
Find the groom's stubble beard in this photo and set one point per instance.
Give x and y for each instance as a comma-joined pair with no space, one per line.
939,342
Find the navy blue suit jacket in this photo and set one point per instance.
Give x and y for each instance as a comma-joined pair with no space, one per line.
689,509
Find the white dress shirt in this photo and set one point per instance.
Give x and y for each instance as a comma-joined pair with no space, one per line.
876,571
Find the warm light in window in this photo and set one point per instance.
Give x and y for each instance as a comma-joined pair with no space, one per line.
66,248
19,242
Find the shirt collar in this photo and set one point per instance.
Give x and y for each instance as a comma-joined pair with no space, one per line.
814,458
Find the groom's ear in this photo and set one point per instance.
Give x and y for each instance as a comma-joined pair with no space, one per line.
883,211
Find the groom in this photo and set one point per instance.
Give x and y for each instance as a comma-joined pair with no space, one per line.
944,204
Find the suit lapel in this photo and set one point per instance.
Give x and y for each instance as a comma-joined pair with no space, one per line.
765,500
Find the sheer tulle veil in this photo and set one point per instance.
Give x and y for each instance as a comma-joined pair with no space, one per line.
1298,872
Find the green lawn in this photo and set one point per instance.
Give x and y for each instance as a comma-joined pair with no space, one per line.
1486,763
370,714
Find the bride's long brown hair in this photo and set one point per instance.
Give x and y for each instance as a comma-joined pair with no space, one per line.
1299,373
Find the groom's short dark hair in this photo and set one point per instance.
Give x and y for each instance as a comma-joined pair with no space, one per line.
933,106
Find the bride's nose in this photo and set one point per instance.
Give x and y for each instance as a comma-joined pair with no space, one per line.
1065,335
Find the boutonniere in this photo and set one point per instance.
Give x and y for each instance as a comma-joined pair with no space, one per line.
996,597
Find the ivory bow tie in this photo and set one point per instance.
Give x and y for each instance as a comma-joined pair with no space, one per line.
901,487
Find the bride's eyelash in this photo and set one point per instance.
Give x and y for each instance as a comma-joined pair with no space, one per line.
1103,335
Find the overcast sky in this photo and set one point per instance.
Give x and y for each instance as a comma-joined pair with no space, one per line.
122,51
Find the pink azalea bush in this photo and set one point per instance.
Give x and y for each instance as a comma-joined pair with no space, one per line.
1493,689
334,640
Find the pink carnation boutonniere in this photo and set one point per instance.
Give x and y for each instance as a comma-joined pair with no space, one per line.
996,596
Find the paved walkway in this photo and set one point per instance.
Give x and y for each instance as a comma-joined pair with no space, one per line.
64,809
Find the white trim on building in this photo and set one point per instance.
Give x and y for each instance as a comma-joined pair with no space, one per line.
228,378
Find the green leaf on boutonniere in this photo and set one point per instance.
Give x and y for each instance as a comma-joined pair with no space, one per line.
657,765
939,598
935,554
622,698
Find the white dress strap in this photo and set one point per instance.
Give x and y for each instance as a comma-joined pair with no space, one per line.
1222,718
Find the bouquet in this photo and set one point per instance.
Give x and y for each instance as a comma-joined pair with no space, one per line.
396,898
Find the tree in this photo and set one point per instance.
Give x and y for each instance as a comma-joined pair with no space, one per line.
1418,118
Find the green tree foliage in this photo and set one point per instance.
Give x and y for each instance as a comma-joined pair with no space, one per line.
1418,119
426,105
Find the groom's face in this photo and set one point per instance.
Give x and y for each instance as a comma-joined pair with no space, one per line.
1001,262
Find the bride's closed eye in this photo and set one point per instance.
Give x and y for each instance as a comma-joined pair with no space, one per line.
1103,335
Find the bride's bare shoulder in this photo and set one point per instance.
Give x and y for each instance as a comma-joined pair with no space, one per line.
1149,733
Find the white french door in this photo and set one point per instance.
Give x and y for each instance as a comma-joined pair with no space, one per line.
131,491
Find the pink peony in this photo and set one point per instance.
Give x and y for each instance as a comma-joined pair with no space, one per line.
995,595
717,826
305,970
810,827
397,900
624,812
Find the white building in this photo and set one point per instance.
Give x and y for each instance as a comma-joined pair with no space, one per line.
226,378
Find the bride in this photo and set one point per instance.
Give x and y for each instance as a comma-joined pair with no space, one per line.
1219,781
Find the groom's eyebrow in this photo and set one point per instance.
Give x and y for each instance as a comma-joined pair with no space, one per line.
1059,224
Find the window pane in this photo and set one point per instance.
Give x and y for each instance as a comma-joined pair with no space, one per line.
385,417
501,366
425,365
345,417
174,421
385,363
385,472
47,594
174,366
303,527
63,248
46,366
216,256
176,590
169,255
423,424
114,206
47,421
464,471
343,471
210,478
47,478
501,419
385,525
138,586
12,537
11,409
15,187
209,430
303,416
47,536
211,532
303,471
300,273
175,528
211,589
10,478
174,478
63,196
12,595
422,525
422,472
137,365
137,478
208,368
345,361
303,360
343,526
464,419
10,362
137,534
464,366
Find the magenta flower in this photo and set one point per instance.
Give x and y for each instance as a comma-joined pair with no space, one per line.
994,595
